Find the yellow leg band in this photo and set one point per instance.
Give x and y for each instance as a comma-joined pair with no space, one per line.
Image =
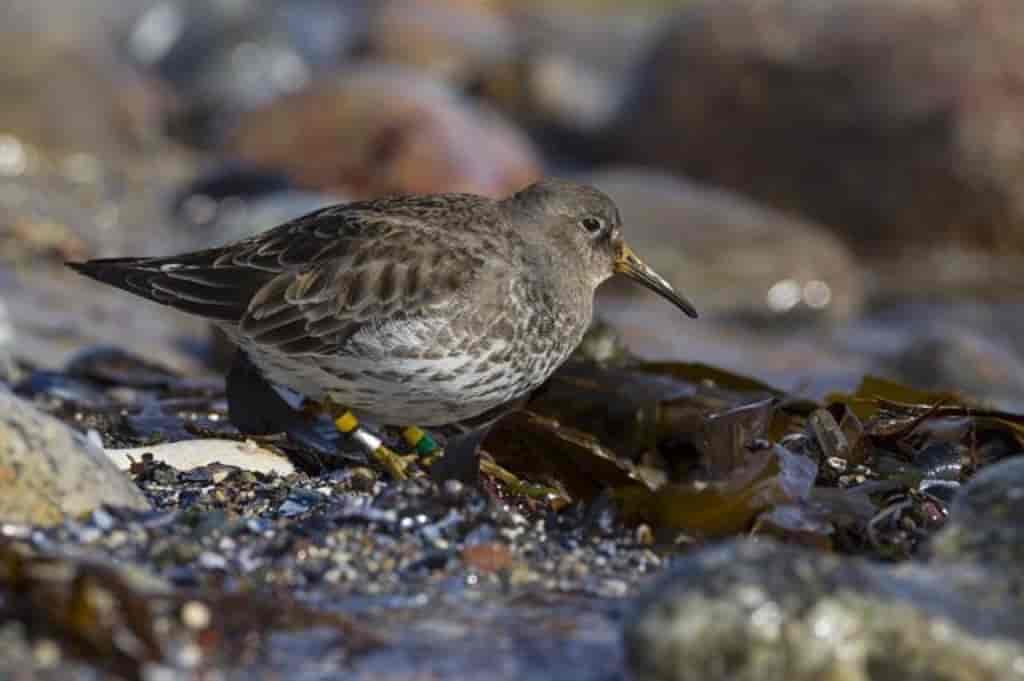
347,422
413,435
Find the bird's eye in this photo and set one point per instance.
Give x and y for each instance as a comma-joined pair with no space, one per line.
593,226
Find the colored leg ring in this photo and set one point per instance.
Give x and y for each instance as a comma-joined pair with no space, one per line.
420,441
348,423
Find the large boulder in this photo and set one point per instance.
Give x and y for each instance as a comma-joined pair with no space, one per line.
749,610
732,256
385,129
757,609
49,472
900,123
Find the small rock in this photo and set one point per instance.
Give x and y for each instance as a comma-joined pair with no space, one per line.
49,472
291,508
196,615
487,557
362,479
212,561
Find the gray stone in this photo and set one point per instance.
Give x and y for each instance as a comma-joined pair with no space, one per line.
971,362
985,522
733,255
765,611
49,472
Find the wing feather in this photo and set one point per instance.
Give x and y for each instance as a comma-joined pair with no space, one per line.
311,284
321,319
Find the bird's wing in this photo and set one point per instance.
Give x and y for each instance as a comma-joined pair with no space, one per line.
319,308
310,284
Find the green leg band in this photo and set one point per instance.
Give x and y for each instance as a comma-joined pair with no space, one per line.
420,441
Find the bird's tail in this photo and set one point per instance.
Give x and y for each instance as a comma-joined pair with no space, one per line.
220,293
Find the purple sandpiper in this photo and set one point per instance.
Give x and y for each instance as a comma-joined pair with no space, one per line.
435,310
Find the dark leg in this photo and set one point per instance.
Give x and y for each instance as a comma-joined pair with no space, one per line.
254,407
461,460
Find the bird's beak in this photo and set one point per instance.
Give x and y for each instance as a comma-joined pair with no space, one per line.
632,266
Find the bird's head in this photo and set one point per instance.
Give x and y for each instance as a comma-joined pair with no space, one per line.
583,225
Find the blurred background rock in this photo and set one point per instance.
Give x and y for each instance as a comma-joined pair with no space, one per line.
835,183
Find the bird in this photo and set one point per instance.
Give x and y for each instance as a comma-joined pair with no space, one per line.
427,312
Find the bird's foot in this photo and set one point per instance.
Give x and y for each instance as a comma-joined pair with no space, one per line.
458,460
347,423
517,486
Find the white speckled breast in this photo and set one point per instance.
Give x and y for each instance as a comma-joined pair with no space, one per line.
462,377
